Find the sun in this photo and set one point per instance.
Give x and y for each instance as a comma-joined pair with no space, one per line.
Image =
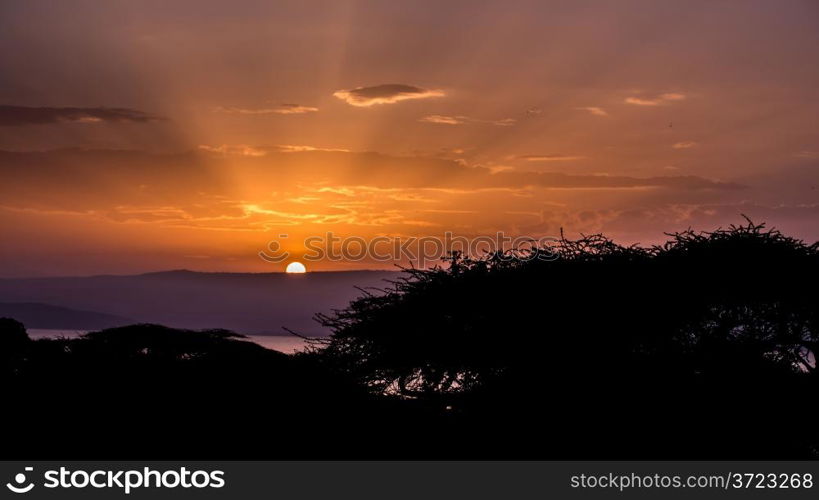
295,268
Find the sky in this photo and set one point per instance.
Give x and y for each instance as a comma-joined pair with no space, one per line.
141,136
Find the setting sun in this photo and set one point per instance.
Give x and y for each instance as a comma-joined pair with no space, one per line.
295,268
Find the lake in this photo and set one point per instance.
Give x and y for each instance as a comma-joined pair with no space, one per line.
281,343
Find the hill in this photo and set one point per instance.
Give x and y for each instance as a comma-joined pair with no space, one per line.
35,315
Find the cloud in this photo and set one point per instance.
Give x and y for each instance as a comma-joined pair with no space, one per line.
810,155
684,145
660,100
197,184
69,171
504,122
248,193
239,149
444,119
11,116
461,120
245,150
638,221
292,148
594,110
494,169
643,102
455,151
388,93
534,111
295,109
535,158
282,109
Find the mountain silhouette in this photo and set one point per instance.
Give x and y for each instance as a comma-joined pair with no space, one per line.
46,316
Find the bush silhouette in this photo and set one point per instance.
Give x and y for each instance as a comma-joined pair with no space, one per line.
149,390
14,343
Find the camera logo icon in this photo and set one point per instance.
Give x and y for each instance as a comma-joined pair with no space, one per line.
20,478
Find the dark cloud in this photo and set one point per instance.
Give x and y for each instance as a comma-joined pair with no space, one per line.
387,93
11,116
566,181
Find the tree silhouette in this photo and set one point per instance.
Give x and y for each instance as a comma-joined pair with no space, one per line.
705,323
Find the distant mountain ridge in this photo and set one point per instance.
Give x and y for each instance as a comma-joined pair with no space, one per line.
249,303
46,316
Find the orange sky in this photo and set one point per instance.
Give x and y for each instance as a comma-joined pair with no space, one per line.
156,135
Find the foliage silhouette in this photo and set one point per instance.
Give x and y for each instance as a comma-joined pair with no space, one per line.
149,390
701,347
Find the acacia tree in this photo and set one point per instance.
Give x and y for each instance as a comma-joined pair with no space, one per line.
741,298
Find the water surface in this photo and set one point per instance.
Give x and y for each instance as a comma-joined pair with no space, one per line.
281,343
